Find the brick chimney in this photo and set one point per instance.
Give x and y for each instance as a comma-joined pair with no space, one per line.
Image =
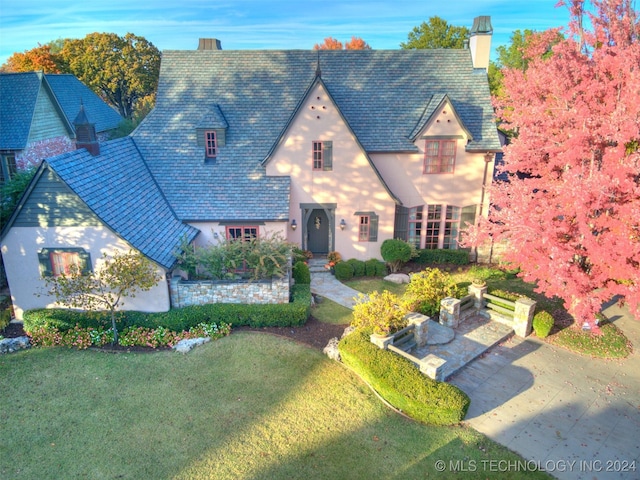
480,41
86,133
209,44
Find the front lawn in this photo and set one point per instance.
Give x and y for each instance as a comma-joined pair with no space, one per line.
248,406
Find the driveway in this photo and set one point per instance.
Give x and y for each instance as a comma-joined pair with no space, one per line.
575,417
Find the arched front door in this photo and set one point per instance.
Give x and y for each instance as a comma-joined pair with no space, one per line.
318,232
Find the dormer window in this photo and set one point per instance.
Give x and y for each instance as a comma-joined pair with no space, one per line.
211,134
211,145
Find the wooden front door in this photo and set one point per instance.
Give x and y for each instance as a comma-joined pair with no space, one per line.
318,232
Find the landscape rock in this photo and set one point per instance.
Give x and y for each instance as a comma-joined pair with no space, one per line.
10,345
331,350
398,278
184,346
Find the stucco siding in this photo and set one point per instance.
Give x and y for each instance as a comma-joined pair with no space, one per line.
352,184
20,249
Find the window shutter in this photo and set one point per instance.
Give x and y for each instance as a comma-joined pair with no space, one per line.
85,261
327,153
373,227
401,226
45,262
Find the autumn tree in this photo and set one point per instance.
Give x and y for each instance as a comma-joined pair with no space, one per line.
123,275
40,58
570,212
436,33
330,43
122,70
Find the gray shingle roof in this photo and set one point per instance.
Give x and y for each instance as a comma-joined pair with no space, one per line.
383,95
119,188
18,94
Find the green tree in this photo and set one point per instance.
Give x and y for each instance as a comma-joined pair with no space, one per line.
437,33
122,70
122,275
10,193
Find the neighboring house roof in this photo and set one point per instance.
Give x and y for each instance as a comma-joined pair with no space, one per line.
18,95
384,95
118,187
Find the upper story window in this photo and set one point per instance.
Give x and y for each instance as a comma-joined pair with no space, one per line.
322,155
439,156
211,144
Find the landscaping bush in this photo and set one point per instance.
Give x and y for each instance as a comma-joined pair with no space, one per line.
400,382
301,273
396,253
542,324
380,312
294,313
5,318
426,289
375,268
455,257
358,267
343,271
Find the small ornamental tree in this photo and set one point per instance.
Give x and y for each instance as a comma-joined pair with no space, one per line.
122,275
570,211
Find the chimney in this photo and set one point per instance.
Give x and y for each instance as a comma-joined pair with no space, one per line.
480,42
209,44
86,133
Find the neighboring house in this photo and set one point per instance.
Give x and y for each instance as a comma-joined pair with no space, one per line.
36,115
335,150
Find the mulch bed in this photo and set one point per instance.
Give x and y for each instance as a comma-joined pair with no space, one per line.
313,333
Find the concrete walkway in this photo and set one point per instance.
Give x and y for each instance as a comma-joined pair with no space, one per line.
572,416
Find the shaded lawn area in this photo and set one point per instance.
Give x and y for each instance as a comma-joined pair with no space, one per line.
249,406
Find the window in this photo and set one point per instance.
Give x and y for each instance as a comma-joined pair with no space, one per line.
8,167
211,146
434,217
367,226
242,233
62,261
322,155
451,227
439,156
415,225
363,232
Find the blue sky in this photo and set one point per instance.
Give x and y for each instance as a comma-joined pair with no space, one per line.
259,24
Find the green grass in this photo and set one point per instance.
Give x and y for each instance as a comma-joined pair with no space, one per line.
611,344
368,285
248,406
328,311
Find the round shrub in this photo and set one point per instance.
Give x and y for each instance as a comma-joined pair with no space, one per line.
396,253
381,312
343,271
358,267
370,267
542,324
301,273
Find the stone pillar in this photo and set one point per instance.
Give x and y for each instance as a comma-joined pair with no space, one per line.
433,367
450,312
523,316
478,292
420,331
174,293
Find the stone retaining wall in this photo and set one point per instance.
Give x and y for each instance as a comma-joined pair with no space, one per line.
185,293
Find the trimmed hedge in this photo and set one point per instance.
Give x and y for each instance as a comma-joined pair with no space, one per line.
301,273
542,324
400,382
375,268
343,271
358,267
456,257
290,314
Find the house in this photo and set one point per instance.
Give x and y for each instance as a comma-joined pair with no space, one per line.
335,150
36,115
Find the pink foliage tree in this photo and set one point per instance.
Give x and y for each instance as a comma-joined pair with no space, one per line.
571,210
